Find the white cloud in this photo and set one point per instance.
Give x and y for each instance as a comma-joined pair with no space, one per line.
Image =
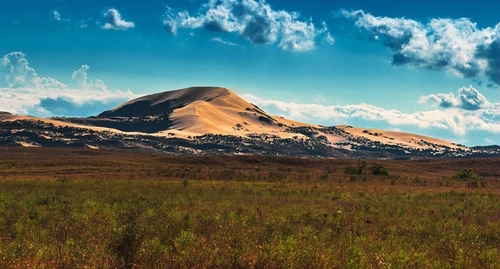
114,21
80,75
81,24
253,20
18,71
456,45
328,37
26,89
456,120
444,100
57,15
467,98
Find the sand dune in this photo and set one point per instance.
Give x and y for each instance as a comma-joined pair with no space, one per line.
198,111
227,114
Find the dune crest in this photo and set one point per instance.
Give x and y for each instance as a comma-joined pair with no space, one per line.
227,114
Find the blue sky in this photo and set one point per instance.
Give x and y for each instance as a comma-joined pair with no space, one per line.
429,67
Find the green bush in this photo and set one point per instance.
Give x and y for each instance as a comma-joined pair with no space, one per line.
351,170
466,174
473,180
379,170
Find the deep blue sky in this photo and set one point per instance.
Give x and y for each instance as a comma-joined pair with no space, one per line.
355,73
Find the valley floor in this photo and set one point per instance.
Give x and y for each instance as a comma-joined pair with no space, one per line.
73,208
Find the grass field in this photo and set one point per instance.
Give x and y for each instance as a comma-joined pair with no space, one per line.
72,208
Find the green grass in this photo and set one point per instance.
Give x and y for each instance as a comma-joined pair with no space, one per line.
189,223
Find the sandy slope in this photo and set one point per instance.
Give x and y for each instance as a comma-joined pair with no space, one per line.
398,138
227,114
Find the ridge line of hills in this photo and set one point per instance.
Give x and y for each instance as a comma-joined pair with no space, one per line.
215,121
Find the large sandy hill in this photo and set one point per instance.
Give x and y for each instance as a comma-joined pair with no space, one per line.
205,110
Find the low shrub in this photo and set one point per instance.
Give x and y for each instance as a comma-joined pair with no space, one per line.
473,180
379,170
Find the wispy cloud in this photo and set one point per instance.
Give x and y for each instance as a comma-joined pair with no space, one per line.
253,20
82,24
46,96
114,21
57,16
224,42
441,44
328,37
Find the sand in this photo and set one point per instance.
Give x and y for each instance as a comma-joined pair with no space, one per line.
398,138
228,114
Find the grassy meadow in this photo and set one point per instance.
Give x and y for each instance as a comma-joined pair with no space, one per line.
67,208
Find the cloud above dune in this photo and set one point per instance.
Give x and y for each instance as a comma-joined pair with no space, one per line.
467,98
114,21
252,20
27,92
18,70
455,45
456,118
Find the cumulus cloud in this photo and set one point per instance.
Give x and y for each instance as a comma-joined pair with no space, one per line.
443,100
457,45
29,93
467,98
114,21
80,75
458,121
253,20
18,71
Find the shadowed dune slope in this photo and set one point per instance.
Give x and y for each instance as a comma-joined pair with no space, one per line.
5,115
160,103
